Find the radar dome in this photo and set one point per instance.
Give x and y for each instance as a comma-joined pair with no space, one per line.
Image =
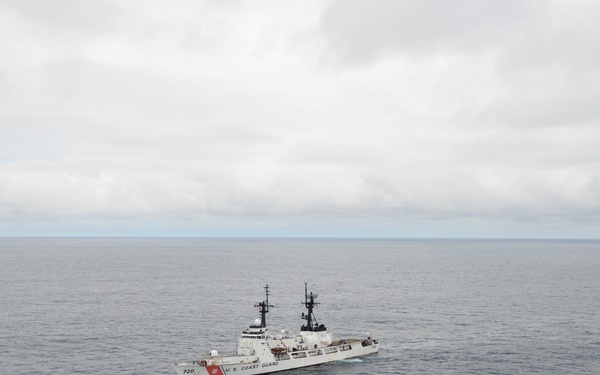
214,353
257,322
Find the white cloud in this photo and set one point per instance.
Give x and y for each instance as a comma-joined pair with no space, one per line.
303,118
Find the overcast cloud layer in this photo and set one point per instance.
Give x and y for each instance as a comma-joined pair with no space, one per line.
418,118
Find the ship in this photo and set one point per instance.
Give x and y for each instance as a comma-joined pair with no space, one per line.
261,352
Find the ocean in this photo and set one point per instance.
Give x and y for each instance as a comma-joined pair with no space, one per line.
136,305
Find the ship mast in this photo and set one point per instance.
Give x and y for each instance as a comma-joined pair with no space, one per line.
309,303
263,308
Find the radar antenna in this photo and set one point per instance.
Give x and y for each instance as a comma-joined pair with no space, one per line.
263,308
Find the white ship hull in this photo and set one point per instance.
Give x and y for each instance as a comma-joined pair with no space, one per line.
286,361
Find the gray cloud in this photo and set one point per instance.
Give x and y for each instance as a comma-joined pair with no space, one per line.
543,53
64,16
364,32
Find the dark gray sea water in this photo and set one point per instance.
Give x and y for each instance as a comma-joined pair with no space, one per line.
134,306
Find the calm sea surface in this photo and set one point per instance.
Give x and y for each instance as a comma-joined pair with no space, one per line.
134,306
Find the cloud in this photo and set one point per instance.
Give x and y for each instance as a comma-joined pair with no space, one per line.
337,118
358,32
541,55
63,17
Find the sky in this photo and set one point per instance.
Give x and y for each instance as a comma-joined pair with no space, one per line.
340,118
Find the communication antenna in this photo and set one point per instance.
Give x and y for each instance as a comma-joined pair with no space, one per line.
311,320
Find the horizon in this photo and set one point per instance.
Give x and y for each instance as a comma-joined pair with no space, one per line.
311,238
